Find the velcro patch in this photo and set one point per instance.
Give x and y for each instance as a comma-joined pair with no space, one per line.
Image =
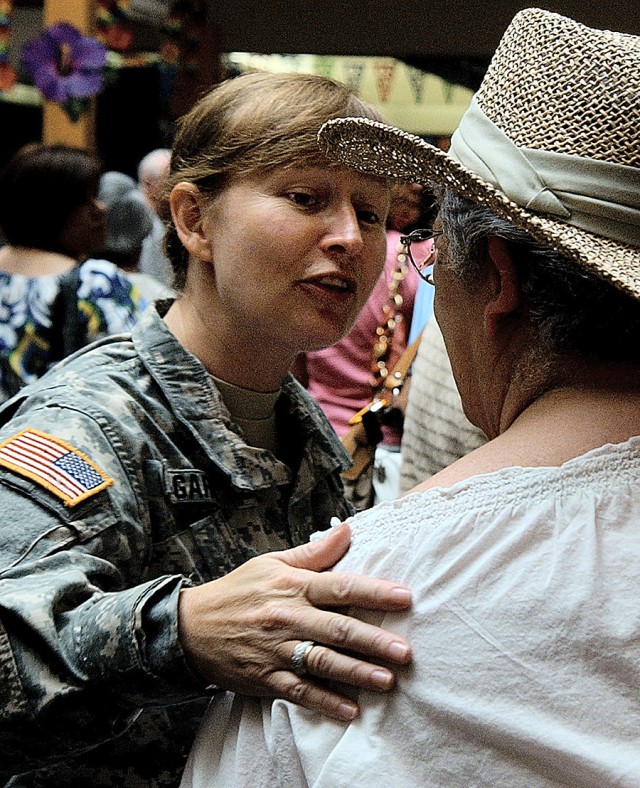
53,463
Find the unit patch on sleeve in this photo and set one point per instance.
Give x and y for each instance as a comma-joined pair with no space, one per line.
54,464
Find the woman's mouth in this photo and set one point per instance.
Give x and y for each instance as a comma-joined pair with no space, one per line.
332,285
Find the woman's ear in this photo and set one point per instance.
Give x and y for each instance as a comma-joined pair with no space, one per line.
505,297
187,212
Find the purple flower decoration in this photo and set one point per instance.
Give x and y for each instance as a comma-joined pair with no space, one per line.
64,64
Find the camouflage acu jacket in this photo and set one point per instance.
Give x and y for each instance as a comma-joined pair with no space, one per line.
122,477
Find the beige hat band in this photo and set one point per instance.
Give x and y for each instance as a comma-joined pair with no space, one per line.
594,195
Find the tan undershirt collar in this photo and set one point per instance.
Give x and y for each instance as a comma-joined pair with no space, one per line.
253,411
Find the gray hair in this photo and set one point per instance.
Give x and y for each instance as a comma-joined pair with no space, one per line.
154,165
573,311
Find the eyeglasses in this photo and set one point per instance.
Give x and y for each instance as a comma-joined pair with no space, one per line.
416,237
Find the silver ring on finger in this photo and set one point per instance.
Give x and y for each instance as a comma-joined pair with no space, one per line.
300,656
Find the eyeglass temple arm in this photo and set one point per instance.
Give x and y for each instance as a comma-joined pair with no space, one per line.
417,235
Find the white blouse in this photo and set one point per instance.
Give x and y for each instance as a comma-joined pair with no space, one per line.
525,629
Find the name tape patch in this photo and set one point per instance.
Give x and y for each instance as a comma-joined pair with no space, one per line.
187,485
54,464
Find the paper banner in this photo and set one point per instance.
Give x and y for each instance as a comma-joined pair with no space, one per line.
353,71
385,70
417,80
323,65
416,101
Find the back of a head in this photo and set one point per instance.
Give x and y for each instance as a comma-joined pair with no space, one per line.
412,206
154,165
253,124
113,185
40,187
128,219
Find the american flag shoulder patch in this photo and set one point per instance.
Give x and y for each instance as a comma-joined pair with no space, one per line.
54,464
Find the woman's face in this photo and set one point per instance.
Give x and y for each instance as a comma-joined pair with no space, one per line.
295,254
459,313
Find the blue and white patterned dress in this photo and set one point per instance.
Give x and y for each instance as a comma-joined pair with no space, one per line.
108,303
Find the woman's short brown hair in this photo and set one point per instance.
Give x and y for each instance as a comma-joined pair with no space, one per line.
253,124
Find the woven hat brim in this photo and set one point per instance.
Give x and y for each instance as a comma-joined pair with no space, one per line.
377,149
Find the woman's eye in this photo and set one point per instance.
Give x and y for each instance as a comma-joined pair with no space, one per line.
368,217
304,199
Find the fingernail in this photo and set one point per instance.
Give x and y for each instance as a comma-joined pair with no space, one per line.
401,596
398,651
347,712
382,678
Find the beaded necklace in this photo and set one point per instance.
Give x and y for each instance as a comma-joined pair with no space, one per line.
383,343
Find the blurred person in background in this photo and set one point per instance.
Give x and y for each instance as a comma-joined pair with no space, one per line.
54,296
436,432
152,172
128,221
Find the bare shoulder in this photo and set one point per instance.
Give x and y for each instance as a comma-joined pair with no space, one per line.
485,459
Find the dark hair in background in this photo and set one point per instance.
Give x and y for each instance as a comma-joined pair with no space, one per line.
40,186
573,312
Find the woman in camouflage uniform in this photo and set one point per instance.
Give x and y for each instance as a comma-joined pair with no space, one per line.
136,476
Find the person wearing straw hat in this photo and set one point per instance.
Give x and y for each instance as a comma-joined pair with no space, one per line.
523,556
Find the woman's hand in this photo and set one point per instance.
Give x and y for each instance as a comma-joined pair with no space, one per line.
239,632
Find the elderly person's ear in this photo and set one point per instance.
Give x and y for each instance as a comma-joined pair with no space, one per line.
504,297
187,210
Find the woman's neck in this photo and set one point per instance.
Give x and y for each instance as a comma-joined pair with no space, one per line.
33,263
249,363
566,422
562,423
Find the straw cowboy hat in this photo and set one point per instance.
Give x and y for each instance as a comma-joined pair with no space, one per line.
550,142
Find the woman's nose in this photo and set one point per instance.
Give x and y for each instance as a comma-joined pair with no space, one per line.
344,231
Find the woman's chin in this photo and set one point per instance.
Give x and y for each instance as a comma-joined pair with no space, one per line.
325,339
